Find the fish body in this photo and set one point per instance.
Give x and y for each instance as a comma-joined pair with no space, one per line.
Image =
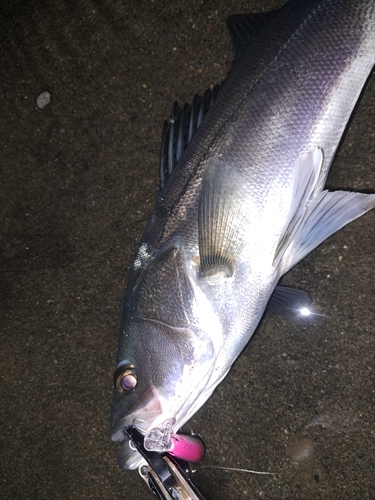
241,201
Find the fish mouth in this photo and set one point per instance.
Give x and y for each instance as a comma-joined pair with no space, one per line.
143,415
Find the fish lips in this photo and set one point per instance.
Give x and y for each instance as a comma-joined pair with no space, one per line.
142,414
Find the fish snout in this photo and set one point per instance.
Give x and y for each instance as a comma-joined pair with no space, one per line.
138,410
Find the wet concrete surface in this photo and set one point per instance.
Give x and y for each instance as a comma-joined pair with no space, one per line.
78,182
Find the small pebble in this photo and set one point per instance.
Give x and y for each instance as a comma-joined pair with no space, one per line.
43,99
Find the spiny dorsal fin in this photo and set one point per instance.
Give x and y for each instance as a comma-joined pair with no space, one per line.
243,28
180,128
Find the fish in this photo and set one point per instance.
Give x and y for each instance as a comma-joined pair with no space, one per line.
241,200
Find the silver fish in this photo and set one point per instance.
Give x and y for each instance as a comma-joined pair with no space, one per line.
241,201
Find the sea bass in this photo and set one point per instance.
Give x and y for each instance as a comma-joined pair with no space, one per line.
241,200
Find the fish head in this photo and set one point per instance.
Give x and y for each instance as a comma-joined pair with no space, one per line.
165,359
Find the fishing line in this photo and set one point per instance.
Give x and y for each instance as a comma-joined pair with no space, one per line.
235,469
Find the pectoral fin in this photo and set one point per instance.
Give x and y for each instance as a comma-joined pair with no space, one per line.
220,219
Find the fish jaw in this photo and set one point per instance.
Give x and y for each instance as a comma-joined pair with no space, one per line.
150,417
146,409
155,414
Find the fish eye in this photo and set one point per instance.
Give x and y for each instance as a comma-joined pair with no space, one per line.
125,378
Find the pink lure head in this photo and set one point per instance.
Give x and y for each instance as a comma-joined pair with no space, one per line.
188,448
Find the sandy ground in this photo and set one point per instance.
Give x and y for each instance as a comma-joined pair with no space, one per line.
78,181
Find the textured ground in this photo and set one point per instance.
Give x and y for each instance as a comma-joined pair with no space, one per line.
77,183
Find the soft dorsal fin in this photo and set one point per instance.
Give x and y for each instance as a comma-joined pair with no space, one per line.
243,28
180,128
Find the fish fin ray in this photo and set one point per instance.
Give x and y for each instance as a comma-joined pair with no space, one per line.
288,302
305,176
327,213
180,128
220,219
